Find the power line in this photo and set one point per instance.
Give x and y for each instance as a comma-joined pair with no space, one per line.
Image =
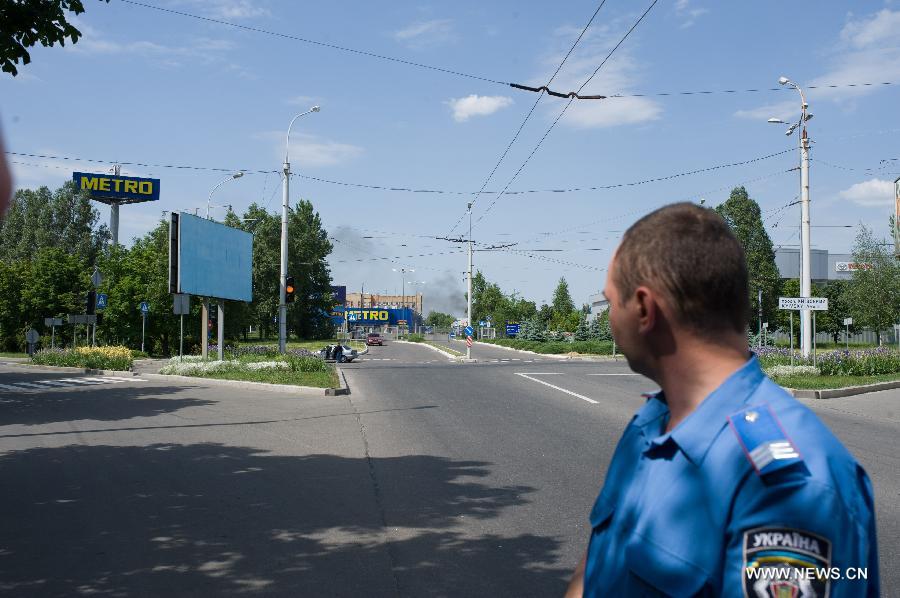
566,107
315,42
721,91
527,117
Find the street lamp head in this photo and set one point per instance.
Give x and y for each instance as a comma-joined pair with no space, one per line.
783,80
315,108
237,175
808,117
790,131
776,121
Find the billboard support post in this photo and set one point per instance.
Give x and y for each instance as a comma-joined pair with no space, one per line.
204,328
221,335
114,214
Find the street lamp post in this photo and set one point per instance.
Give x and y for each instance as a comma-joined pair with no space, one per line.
805,270
230,177
282,306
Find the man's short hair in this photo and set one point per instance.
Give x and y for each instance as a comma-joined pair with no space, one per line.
690,256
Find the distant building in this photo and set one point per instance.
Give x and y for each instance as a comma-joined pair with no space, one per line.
364,300
599,304
824,266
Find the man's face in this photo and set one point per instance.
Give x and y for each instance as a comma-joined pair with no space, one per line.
623,320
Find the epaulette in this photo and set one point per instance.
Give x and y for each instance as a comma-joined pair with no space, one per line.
764,441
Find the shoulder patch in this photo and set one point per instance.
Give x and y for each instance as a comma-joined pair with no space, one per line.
764,441
781,561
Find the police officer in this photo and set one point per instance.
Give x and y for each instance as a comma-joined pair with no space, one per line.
722,484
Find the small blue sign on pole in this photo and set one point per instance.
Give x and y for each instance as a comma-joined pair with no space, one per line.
483,323
102,300
470,331
145,307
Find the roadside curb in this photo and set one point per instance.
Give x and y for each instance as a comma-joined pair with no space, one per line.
70,370
285,388
554,355
343,387
849,391
446,354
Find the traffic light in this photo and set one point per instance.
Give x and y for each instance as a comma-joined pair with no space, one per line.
289,289
91,306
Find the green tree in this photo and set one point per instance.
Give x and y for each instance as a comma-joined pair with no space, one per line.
12,279
873,295
600,329
308,247
28,22
439,320
39,219
562,300
744,218
832,320
583,331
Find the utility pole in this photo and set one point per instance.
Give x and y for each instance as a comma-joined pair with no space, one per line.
282,305
805,266
282,294
805,270
469,314
114,213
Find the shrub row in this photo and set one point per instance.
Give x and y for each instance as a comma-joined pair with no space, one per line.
98,358
866,362
593,347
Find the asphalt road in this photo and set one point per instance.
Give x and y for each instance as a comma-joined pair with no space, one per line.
431,479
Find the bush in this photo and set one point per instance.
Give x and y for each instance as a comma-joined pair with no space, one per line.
416,338
780,371
868,362
98,358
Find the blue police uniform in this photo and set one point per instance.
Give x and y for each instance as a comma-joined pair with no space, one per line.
740,499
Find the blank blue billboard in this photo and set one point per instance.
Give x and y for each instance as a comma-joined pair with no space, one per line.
214,260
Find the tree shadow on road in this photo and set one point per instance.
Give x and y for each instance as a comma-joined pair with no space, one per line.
101,402
221,520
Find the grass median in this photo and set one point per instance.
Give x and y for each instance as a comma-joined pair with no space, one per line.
830,382
444,348
294,369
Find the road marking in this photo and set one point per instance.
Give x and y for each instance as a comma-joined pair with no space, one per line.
630,374
66,383
568,392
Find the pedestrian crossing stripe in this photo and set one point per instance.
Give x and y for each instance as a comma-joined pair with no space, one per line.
58,383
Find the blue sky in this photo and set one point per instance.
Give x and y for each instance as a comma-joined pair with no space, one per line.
156,88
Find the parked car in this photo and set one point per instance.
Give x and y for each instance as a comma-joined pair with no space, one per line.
373,338
338,353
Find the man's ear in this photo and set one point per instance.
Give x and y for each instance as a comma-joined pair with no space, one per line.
647,309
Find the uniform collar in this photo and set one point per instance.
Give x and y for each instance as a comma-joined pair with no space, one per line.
696,433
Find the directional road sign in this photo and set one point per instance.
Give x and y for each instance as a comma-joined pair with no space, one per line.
469,331
53,321
145,307
848,321
102,300
512,329
813,303
181,304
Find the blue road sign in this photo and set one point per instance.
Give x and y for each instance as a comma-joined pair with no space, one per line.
483,323
470,331
512,329
102,299
145,307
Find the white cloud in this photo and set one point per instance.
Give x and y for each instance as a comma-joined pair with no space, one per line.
688,15
309,151
868,52
230,9
787,110
475,105
871,193
422,34
619,75
881,27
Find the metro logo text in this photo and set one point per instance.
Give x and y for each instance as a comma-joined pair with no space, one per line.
109,188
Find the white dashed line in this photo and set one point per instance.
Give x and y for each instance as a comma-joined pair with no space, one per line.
553,386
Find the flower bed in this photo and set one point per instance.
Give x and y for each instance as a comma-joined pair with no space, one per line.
865,362
194,365
98,358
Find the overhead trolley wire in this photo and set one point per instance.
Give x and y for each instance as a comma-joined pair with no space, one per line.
314,42
566,107
527,117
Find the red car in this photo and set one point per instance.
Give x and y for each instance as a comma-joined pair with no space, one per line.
373,338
